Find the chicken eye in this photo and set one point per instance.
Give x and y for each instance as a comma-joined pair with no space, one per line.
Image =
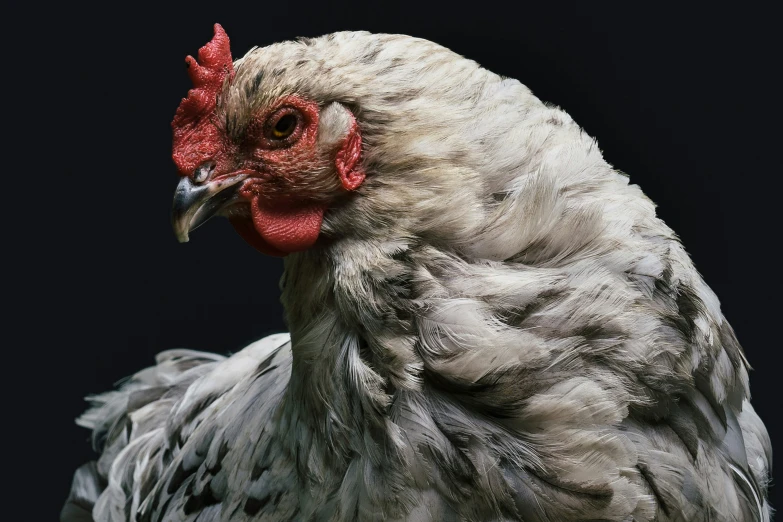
284,126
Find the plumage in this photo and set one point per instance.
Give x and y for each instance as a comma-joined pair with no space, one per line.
493,326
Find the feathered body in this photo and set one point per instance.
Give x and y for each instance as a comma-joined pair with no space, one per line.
494,326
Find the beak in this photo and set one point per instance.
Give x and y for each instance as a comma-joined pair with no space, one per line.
194,204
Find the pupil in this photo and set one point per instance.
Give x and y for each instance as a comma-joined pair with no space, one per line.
285,125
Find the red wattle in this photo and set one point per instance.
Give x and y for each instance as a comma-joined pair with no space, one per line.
246,229
286,228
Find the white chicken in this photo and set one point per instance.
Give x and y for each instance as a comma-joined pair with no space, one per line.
487,321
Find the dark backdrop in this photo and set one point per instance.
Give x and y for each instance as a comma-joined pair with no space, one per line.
683,101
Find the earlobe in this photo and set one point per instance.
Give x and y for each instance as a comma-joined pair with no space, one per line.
348,159
338,128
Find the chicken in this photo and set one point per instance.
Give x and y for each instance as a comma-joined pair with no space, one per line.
487,321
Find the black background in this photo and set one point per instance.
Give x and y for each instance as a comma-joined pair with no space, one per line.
685,102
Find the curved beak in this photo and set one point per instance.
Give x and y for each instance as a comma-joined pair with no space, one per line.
194,203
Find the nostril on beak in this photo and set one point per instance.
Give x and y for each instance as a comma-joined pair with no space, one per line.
203,172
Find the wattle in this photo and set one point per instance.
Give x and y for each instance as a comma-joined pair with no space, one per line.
280,229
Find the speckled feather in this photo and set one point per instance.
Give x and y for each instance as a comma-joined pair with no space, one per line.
495,326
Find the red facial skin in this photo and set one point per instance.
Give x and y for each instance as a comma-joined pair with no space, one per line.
284,218
280,222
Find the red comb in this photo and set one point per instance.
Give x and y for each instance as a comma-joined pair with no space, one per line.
194,136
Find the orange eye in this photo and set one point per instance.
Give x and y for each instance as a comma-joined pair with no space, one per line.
284,126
